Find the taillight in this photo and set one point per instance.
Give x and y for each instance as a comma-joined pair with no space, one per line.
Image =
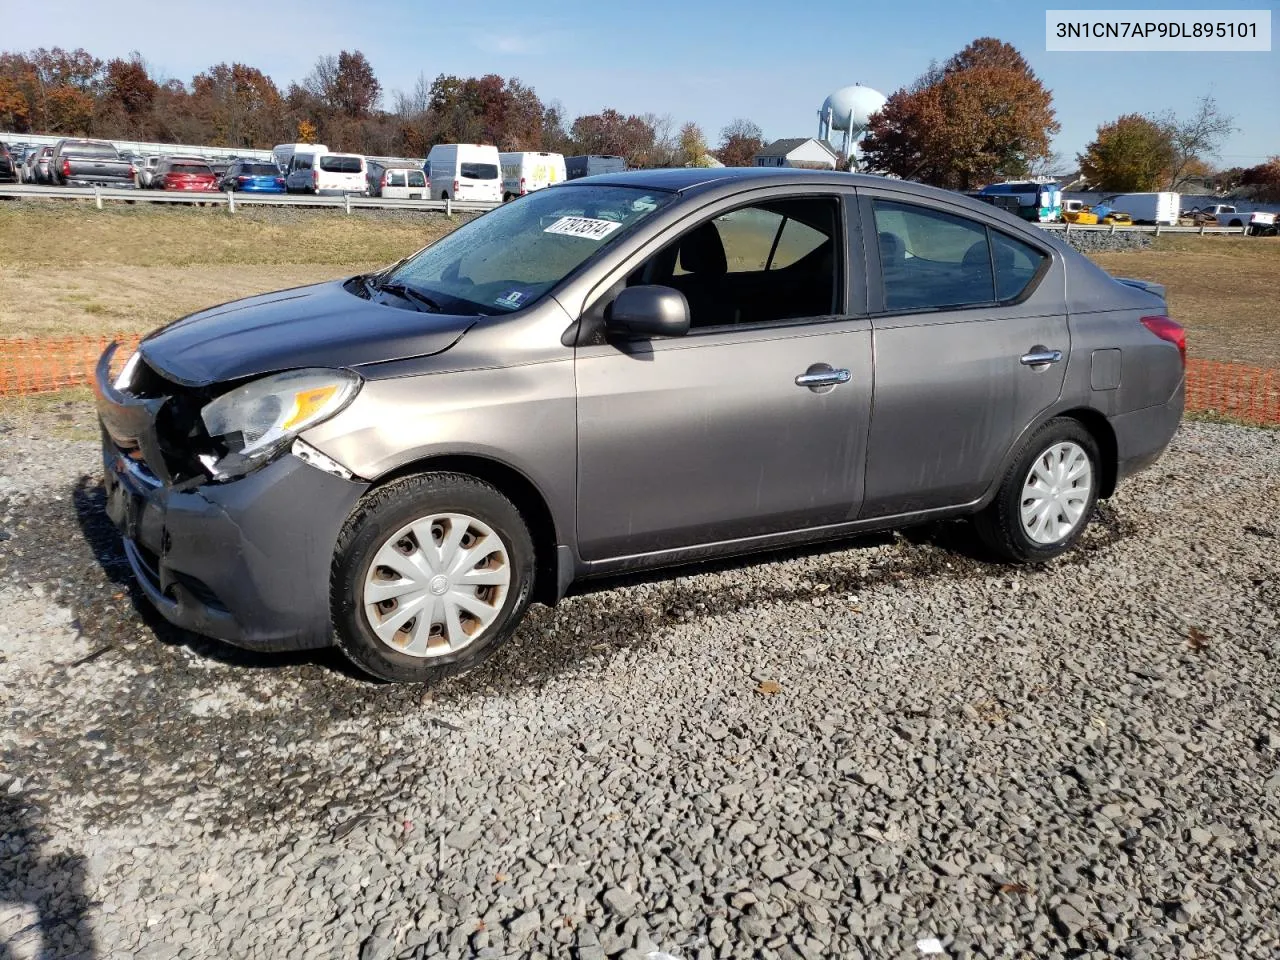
279,181
455,188
522,189
385,181
242,179
1169,330
66,167
315,177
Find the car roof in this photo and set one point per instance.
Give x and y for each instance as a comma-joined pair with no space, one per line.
696,179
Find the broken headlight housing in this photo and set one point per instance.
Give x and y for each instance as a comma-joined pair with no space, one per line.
256,422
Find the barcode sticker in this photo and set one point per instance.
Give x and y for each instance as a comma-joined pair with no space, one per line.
586,227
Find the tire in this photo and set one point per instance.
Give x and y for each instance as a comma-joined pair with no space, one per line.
1055,446
378,550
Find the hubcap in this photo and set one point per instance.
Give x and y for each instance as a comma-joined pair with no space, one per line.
436,585
1056,493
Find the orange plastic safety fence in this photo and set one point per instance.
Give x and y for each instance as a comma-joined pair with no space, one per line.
40,365
1251,394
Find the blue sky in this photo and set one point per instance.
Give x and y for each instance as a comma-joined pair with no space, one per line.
706,61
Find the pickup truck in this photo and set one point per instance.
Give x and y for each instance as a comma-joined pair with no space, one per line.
1225,215
89,163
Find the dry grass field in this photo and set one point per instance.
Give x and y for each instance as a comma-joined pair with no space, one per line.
68,269
1224,290
71,269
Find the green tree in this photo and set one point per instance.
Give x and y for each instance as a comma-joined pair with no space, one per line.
1132,154
693,146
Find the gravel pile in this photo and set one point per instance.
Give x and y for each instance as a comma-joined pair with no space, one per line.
845,753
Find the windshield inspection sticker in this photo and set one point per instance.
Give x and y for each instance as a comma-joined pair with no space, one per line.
587,227
511,299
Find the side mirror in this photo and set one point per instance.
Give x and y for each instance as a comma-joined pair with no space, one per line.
643,312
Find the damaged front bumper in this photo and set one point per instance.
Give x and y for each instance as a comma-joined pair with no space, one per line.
246,561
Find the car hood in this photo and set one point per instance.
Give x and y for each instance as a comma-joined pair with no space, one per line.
316,326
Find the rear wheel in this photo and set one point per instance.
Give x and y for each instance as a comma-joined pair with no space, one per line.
432,573
1047,496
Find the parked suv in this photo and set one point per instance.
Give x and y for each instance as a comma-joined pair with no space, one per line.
8,165
630,371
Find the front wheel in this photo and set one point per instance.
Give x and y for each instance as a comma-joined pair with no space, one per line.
431,574
1047,496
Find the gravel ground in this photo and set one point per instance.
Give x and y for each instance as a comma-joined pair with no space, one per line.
837,754
1096,241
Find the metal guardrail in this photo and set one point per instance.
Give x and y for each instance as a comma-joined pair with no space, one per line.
349,203
1157,229
100,195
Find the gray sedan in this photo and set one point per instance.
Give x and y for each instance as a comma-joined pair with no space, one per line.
627,371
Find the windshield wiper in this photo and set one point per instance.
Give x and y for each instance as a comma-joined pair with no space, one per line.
406,292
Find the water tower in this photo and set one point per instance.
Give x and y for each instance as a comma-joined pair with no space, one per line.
847,112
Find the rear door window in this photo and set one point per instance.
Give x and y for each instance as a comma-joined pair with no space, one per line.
932,260
417,178
478,171
1017,265
395,178
336,164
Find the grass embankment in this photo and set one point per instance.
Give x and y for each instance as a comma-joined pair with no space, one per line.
69,269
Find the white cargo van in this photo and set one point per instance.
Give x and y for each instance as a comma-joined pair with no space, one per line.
1161,208
283,153
327,174
464,171
526,172
588,165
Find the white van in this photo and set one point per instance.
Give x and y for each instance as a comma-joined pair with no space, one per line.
526,172
397,183
283,153
327,174
464,171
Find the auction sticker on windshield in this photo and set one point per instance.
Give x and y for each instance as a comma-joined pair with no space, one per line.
586,227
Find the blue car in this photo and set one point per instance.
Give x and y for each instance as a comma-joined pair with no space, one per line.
249,176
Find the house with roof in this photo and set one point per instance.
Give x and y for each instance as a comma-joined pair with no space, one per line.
805,152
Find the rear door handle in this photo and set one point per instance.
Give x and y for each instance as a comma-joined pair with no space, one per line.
1040,356
822,378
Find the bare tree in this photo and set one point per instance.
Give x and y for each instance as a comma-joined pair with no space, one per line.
416,101
1196,138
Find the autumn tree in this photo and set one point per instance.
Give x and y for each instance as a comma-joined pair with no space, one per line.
1262,182
1132,154
983,114
693,146
740,141
241,103
346,83
127,83
15,112
609,132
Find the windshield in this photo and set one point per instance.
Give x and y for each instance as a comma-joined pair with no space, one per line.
507,259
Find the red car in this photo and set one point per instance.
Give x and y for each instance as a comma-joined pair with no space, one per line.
187,175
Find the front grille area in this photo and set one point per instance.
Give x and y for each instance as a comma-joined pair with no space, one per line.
179,433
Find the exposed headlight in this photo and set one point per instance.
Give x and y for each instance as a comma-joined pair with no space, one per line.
260,419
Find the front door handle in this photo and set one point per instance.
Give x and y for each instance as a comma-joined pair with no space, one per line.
1039,356
822,378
